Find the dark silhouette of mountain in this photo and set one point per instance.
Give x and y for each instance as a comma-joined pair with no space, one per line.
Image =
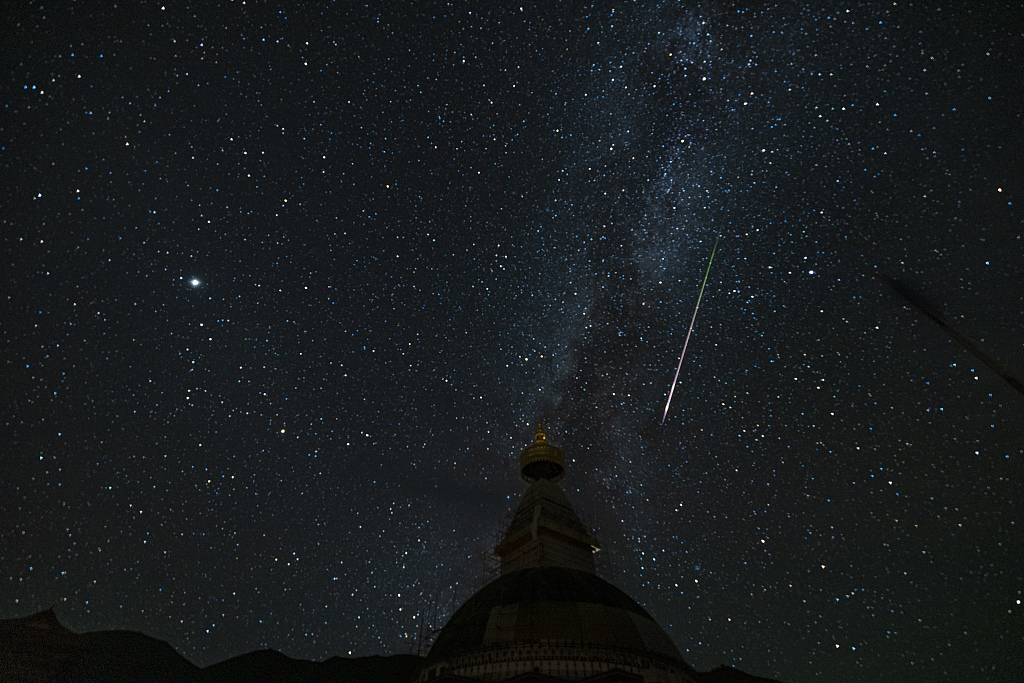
269,666
39,649
727,674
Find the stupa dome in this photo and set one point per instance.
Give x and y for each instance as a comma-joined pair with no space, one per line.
555,621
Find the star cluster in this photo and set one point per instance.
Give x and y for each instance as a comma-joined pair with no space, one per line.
287,286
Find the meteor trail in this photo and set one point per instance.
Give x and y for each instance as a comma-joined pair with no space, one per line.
692,321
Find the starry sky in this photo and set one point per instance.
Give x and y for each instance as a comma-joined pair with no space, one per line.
287,286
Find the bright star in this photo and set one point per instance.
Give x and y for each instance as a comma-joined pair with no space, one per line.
194,282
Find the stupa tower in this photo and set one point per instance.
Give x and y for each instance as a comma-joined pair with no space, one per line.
548,617
545,531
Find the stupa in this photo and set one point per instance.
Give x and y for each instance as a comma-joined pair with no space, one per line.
548,616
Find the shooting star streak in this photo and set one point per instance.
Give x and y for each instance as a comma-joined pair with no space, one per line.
692,321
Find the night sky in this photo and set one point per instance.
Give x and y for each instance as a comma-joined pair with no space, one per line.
286,289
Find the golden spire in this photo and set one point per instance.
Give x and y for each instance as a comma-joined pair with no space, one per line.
540,435
541,460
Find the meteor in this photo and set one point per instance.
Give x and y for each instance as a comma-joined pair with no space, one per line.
692,321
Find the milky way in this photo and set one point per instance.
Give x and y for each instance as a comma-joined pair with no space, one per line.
287,290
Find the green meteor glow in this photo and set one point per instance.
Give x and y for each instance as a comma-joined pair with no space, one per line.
692,320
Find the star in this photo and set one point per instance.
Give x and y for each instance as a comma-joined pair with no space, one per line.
194,282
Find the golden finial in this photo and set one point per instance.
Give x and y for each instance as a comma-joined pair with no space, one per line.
541,460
